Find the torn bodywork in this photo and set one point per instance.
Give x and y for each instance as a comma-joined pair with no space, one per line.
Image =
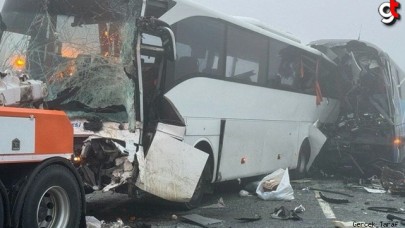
99,70
369,128
393,180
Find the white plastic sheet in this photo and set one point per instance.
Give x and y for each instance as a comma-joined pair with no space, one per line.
283,191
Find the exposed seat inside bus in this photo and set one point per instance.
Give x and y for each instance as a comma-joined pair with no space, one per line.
186,65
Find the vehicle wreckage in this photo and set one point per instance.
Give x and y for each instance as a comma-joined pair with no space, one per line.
105,62
369,132
59,43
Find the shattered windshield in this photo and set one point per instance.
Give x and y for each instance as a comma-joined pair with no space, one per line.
80,54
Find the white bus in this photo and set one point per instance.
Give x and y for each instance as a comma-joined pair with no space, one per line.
247,93
247,96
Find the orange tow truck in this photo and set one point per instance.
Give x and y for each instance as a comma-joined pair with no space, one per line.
39,186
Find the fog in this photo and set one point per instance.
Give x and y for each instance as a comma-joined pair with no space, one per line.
316,19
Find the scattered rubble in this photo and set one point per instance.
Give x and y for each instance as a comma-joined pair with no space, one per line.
372,190
387,210
219,204
299,209
254,218
333,200
200,220
330,191
393,180
285,214
92,222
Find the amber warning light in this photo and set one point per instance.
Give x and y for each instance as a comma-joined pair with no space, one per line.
397,141
19,63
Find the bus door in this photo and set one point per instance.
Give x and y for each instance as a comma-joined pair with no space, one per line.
168,167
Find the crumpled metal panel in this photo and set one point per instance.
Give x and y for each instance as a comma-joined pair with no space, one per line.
171,169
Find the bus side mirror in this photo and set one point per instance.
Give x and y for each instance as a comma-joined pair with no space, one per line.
156,27
169,44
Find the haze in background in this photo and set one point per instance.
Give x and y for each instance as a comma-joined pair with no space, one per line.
319,19
312,20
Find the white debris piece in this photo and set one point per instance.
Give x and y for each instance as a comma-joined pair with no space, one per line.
92,222
122,173
14,90
371,190
118,224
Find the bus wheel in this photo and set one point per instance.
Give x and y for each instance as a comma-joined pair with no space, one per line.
202,185
301,170
54,199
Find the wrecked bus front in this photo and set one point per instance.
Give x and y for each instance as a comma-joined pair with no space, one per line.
91,57
370,127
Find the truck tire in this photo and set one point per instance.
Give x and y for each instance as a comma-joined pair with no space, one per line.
53,200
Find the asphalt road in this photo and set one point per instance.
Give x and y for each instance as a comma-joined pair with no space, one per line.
111,206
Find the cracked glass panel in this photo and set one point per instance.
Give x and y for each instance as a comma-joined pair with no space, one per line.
79,49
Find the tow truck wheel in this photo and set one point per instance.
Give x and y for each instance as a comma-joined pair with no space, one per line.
53,201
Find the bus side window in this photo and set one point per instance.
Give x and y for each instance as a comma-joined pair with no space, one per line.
246,59
274,78
199,43
286,68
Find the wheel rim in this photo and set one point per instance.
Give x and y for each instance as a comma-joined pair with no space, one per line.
53,208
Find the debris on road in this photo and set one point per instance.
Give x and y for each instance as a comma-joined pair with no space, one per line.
393,217
219,204
118,224
329,191
372,190
256,217
285,214
387,210
276,186
93,222
299,209
333,200
200,220
244,193
393,180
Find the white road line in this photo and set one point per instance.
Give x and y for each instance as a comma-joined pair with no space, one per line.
327,211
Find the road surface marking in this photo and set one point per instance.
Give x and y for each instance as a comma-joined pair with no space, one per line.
327,211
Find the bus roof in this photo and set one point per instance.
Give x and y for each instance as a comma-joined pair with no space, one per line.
186,8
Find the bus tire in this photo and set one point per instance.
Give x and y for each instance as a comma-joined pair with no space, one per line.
200,189
54,199
303,158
